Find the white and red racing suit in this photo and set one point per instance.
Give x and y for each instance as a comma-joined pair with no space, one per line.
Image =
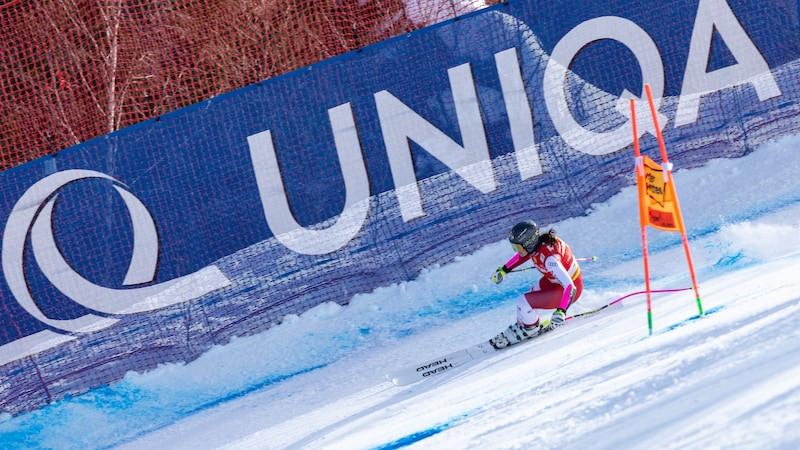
561,278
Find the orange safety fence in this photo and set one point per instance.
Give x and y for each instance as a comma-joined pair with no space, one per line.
73,70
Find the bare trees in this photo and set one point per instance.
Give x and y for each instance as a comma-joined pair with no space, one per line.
73,70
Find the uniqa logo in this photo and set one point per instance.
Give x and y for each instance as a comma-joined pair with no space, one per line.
32,216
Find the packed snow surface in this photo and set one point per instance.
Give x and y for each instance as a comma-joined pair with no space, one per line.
728,379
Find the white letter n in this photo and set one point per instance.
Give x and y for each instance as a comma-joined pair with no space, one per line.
399,123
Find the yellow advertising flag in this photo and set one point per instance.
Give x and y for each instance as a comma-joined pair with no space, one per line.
657,196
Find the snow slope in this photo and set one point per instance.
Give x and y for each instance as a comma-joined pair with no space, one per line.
730,379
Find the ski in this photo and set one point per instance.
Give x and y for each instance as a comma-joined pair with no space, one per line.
412,374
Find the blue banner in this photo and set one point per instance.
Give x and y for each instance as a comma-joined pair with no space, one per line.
156,242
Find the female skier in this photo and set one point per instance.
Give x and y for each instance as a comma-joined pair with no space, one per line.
559,287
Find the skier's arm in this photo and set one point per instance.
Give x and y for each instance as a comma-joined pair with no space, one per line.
558,270
514,262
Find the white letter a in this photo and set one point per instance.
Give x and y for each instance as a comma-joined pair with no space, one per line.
750,64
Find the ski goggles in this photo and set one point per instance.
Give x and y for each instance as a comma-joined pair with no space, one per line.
518,248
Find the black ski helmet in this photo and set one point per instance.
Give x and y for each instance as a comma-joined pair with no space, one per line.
526,234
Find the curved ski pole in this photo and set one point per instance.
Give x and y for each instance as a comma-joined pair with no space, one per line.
652,291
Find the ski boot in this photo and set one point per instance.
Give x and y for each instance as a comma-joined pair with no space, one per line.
514,334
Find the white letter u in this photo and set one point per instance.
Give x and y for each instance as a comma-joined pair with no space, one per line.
280,220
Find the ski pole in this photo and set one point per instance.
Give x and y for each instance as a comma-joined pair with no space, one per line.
588,258
654,291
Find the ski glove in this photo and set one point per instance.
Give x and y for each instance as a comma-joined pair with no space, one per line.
500,274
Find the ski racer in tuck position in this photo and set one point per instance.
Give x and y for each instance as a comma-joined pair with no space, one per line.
559,287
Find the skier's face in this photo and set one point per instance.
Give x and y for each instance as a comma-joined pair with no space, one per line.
520,249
